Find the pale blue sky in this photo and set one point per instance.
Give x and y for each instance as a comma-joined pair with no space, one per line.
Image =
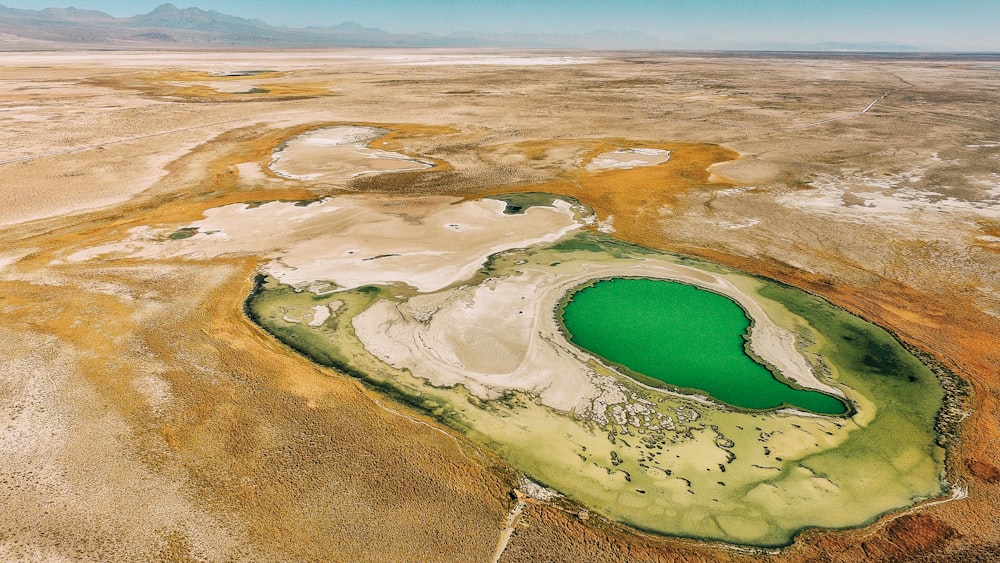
929,24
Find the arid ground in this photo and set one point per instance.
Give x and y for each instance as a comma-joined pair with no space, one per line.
144,415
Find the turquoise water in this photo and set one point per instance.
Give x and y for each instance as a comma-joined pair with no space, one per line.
684,337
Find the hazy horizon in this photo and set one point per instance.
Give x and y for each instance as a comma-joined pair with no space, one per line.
946,26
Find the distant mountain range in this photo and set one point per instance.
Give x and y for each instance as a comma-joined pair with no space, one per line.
170,26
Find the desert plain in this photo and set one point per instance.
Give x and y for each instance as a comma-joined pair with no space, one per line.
143,195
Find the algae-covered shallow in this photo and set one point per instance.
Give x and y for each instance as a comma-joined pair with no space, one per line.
682,336
488,357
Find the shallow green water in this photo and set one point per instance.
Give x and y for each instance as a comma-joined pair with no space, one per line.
682,336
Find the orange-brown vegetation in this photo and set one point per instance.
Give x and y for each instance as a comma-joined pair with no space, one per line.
637,198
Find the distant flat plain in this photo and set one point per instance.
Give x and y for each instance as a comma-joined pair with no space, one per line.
146,417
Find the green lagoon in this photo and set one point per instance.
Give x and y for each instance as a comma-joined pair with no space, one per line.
669,332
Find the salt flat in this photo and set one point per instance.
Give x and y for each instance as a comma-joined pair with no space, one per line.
628,158
255,453
338,152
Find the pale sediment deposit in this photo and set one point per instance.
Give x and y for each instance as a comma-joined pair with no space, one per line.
628,158
320,313
351,241
338,152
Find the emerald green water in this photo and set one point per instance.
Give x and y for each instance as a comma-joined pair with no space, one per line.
683,336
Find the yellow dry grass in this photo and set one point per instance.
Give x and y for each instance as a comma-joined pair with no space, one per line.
636,197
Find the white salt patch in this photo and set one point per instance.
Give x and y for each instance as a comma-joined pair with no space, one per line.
536,491
320,314
650,152
356,241
230,86
741,225
251,172
628,159
427,256
887,200
338,153
338,136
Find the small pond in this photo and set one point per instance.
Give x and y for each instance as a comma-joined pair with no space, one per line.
664,332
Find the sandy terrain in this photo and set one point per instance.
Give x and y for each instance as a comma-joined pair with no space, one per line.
124,378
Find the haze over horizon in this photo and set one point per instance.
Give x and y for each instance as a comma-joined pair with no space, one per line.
962,25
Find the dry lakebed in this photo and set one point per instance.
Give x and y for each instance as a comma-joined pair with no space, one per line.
434,305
